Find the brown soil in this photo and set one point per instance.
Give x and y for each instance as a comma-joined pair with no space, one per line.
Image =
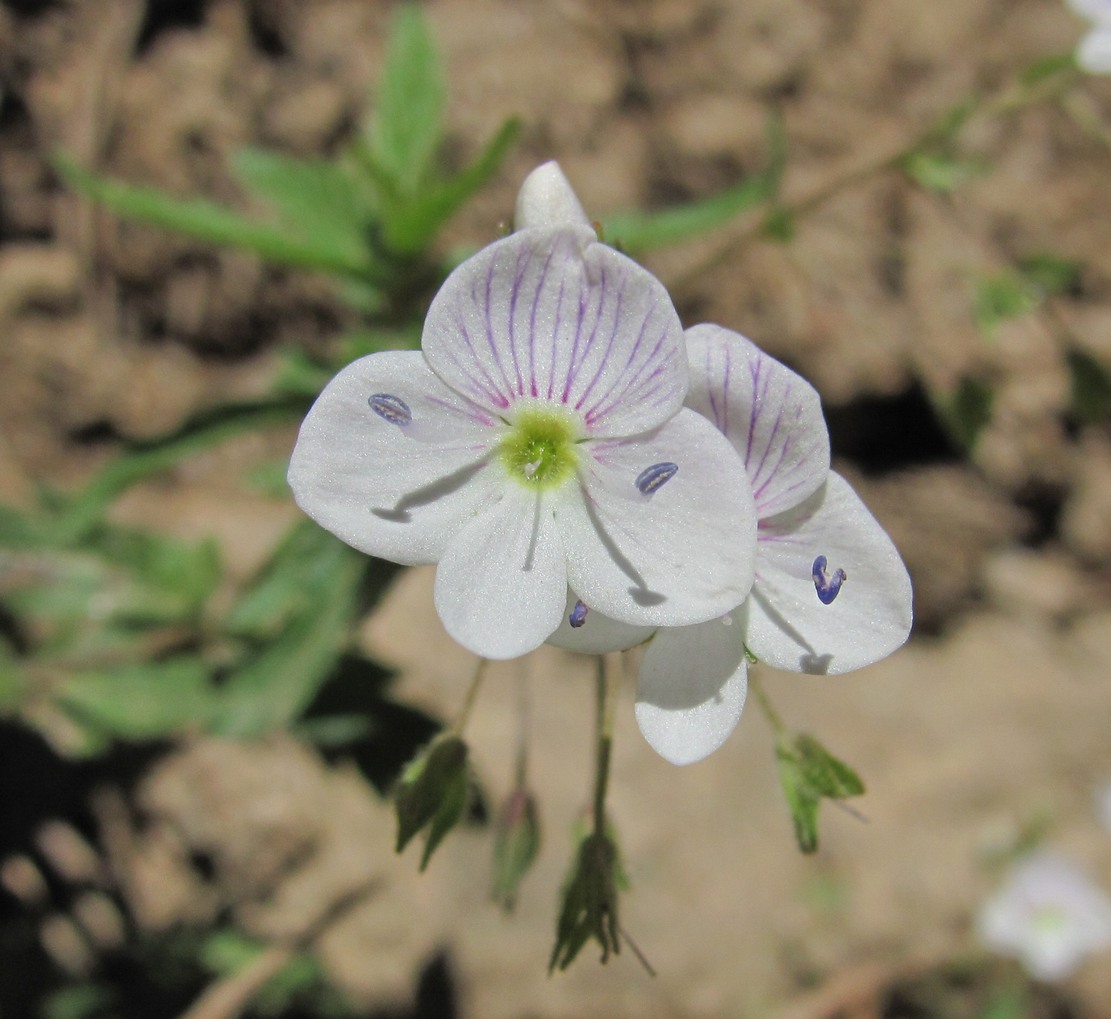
993,716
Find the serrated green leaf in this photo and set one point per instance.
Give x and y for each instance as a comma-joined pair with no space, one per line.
808,774
213,224
410,225
432,793
139,702
406,129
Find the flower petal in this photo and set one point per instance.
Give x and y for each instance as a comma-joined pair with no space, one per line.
1094,52
785,623
501,586
547,201
553,315
680,555
1095,10
597,634
772,416
391,488
691,689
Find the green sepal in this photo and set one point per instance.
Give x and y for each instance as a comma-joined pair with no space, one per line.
809,773
516,845
432,794
589,907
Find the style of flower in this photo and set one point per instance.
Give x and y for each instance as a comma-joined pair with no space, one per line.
1093,54
538,440
830,595
1049,915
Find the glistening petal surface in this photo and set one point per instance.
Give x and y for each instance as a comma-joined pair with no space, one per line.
555,316
772,415
677,557
691,689
501,586
787,626
399,492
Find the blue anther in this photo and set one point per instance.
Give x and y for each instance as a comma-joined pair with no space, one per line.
827,587
391,408
578,615
652,478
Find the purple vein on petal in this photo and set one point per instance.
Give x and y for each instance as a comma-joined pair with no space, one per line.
489,391
519,271
554,339
580,318
708,350
623,387
724,427
754,410
472,413
486,305
578,361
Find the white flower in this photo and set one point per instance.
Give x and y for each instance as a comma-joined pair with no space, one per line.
1094,52
537,440
1049,915
831,593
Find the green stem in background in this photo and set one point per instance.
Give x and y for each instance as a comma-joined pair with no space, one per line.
604,701
472,694
766,706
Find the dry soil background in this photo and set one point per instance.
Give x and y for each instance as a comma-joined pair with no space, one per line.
994,715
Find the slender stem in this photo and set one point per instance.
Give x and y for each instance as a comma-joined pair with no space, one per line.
472,693
524,716
604,730
766,706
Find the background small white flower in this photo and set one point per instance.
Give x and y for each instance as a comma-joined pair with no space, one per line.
1093,53
831,593
1049,915
538,440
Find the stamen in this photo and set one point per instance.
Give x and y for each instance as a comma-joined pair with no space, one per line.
652,478
578,615
827,587
391,408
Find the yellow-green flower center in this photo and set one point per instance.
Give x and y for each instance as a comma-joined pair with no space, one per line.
539,449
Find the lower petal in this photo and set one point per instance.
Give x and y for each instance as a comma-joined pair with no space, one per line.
502,583
788,626
691,689
596,634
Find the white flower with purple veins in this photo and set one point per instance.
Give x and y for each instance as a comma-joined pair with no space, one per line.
831,593
1049,915
1094,52
537,440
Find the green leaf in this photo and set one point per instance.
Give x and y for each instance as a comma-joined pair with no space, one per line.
1003,296
516,845
643,231
809,773
272,688
1049,274
317,200
409,226
407,126
139,702
1048,67
212,223
941,172
1091,387
432,794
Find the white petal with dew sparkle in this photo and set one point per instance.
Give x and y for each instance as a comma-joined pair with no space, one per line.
691,689
679,556
501,586
597,634
392,490
546,200
787,626
772,415
1094,52
553,315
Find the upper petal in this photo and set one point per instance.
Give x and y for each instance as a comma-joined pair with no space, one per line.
772,415
392,489
546,200
501,585
680,555
787,626
691,689
554,315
